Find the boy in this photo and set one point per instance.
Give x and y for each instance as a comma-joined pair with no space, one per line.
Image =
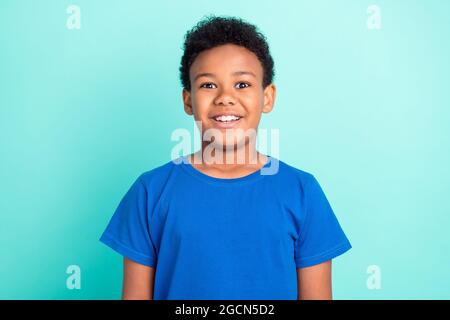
201,229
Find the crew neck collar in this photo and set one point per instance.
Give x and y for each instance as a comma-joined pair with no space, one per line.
254,176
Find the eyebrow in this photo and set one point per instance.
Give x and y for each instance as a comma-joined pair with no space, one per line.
212,75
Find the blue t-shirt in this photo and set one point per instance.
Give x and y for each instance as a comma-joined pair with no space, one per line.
216,238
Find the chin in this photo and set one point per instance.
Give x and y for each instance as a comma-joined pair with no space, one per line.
222,147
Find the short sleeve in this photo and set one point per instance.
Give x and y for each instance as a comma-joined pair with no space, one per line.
321,237
128,231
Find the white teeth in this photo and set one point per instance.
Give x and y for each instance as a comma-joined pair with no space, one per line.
226,118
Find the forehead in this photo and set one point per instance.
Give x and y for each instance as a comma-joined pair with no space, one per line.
225,60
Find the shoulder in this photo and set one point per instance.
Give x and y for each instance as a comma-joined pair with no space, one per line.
289,173
158,175
152,184
305,183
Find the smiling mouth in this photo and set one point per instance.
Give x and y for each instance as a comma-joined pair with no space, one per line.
226,121
226,118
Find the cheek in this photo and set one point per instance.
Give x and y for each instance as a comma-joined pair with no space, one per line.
201,103
253,105
252,98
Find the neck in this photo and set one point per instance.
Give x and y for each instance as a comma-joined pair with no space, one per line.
229,159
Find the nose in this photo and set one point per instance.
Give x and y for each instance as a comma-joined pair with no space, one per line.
224,98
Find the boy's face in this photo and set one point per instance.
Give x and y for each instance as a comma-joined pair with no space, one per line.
227,80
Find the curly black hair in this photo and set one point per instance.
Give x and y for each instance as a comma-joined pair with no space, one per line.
214,31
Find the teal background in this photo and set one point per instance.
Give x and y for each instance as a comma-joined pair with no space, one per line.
84,112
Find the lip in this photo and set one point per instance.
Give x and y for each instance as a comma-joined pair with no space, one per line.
224,125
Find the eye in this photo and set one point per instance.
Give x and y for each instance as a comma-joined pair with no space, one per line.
245,83
206,84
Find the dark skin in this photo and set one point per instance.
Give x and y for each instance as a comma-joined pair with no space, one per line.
217,86
228,78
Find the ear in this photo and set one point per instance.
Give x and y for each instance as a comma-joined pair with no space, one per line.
187,102
269,98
